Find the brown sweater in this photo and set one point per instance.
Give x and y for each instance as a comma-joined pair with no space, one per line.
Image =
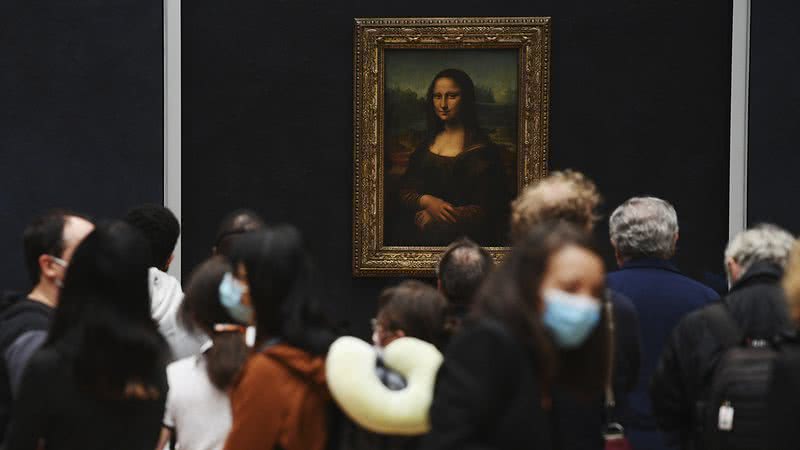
281,402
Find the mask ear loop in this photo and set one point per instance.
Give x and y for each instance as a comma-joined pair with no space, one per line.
249,332
229,328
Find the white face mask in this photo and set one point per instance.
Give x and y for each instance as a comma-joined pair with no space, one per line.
58,282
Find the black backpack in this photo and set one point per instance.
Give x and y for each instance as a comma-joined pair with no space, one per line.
735,412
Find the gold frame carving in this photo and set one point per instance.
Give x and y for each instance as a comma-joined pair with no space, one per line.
530,35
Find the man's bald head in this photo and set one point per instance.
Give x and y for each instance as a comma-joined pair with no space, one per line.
461,270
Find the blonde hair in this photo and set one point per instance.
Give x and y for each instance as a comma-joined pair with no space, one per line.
791,281
563,195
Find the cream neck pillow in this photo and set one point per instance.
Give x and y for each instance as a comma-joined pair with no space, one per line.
350,371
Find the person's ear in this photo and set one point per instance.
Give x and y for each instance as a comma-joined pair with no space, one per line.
734,270
617,255
47,267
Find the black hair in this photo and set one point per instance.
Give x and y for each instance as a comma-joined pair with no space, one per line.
233,225
105,306
44,236
201,309
417,309
468,114
279,275
462,268
511,296
161,228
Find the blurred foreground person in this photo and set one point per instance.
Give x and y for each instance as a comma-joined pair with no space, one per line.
717,360
569,196
161,229
281,400
410,309
99,381
233,225
198,408
49,242
783,399
537,324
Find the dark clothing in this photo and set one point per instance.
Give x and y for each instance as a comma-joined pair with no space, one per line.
487,395
23,328
757,304
783,401
662,297
474,182
583,419
354,437
52,407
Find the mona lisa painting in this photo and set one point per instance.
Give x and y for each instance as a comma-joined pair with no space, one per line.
450,122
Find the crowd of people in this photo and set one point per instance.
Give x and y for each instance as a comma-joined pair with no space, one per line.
547,349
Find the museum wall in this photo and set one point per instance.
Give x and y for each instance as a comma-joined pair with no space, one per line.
774,135
640,101
81,113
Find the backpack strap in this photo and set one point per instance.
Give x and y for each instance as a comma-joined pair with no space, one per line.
723,326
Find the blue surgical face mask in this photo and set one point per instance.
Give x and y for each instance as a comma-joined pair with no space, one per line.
570,317
230,296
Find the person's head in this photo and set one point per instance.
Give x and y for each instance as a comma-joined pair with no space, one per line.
410,309
161,228
526,293
202,310
275,271
451,99
49,242
644,227
234,225
761,244
564,195
461,269
791,283
105,307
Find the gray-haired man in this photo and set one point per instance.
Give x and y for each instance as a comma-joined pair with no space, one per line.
755,260
644,231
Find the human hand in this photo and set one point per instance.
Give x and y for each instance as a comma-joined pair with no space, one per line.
438,209
422,219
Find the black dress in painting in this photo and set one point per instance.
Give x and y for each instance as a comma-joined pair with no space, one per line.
474,182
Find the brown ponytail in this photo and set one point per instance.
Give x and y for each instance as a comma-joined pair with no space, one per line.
201,310
224,360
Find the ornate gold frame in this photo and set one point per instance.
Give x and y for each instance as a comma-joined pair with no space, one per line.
530,35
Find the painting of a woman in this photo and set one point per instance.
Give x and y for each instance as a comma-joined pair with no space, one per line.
455,184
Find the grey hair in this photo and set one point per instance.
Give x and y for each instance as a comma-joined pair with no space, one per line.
644,227
763,243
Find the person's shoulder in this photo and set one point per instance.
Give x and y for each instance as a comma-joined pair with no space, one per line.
46,359
185,366
23,316
704,293
482,335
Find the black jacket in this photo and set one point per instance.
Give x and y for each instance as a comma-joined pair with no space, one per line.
783,401
757,304
18,316
487,395
579,421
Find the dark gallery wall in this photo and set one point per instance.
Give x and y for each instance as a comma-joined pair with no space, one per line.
81,113
774,135
640,101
